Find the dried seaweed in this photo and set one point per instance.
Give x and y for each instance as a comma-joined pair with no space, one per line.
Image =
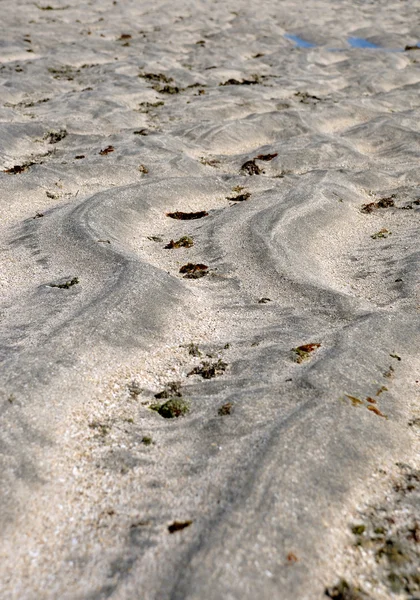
207,369
382,203
250,167
178,526
17,169
376,410
66,285
225,409
187,216
266,157
184,242
253,81
55,136
160,77
303,352
194,271
355,401
167,89
193,350
107,150
383,233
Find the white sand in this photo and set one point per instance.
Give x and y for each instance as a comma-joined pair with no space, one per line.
85,503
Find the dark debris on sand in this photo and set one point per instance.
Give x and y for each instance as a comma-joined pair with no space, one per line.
172,408
250,167
187,216
194,271
382,203
208,369
178,526
184,242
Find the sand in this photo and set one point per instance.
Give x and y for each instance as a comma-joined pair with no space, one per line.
294,346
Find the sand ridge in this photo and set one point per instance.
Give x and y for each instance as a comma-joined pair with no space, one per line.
302,320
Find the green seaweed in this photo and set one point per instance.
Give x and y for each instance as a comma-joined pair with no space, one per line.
172,408
193,350
358,529
102,428
383,233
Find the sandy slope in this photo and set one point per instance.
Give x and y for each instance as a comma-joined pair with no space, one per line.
112,115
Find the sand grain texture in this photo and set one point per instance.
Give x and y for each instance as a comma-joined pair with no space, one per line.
296,350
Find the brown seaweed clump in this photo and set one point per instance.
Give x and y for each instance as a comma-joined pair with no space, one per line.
303,352
266,157
225,409
178,526
207,369
18,169
184,242
382,203
250,167
194,271
107,150
187,216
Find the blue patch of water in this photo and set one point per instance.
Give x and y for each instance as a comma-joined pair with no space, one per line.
356,42
300,43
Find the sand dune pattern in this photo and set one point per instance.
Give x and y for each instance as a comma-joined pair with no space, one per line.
209,310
